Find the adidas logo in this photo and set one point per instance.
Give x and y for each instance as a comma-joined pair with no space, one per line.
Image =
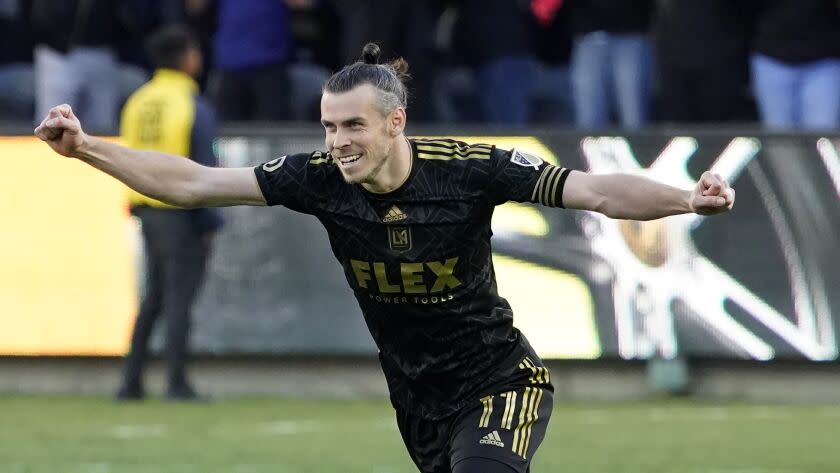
492,439
394,215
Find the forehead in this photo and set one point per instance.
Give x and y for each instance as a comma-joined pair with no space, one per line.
357,102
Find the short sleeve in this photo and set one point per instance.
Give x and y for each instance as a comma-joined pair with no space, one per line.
291,181
523,177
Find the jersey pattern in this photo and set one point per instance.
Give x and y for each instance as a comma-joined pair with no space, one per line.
419,261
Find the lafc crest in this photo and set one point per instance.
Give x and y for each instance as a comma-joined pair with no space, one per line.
399,238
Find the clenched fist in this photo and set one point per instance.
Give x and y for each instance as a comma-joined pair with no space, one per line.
712,195
62,131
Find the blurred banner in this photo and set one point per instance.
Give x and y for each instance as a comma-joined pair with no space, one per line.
762,282
67,277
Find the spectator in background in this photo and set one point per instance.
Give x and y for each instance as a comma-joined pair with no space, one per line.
142,18
167,115
553,47
495,39
611,61
796,63
75,58
201,16
17,94
315,25
701,58
252,48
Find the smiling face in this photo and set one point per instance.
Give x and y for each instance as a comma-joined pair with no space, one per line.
358,135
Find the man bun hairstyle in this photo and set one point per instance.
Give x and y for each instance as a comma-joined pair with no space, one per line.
370,53
388,79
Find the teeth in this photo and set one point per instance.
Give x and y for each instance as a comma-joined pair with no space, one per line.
349,159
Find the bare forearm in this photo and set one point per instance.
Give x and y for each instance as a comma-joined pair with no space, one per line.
632,197
161,176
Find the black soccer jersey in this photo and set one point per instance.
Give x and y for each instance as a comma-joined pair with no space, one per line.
419,260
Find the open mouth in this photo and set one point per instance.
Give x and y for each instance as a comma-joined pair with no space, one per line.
350,159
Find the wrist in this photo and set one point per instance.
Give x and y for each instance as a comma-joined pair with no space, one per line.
86,148
688,202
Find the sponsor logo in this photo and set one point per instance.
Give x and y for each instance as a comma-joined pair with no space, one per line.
420,278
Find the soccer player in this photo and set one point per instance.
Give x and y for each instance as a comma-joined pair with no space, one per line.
409,221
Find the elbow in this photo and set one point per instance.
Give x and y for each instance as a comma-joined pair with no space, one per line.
601,204
182,197
190,192
187,199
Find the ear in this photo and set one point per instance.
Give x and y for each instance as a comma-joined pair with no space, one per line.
396,121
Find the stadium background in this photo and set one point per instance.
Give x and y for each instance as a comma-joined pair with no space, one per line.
737,316
282,347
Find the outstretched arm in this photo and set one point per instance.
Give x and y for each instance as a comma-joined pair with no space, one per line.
171,179
632,197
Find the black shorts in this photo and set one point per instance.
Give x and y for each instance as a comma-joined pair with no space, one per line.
507,426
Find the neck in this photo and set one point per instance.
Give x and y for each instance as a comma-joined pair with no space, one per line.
395,170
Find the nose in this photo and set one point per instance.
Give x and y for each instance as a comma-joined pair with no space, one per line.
340,139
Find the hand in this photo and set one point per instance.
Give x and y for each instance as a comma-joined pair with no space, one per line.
62,131
712,195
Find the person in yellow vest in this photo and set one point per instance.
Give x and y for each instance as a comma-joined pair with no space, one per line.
167,114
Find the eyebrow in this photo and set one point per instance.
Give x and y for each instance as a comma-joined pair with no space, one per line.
346,122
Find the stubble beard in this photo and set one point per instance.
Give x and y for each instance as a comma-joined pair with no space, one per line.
370,177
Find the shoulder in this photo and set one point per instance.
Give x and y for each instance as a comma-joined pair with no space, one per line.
138,96
302,181
449,157
452,151
458,166
314,163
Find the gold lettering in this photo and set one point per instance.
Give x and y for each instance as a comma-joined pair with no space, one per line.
444,274
362,271
382,279
412,278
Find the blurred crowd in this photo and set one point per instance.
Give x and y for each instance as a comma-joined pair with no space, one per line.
593,64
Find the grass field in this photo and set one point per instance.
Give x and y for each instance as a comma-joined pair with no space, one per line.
95,435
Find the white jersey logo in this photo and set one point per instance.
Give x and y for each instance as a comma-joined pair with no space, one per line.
274,164
525,159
